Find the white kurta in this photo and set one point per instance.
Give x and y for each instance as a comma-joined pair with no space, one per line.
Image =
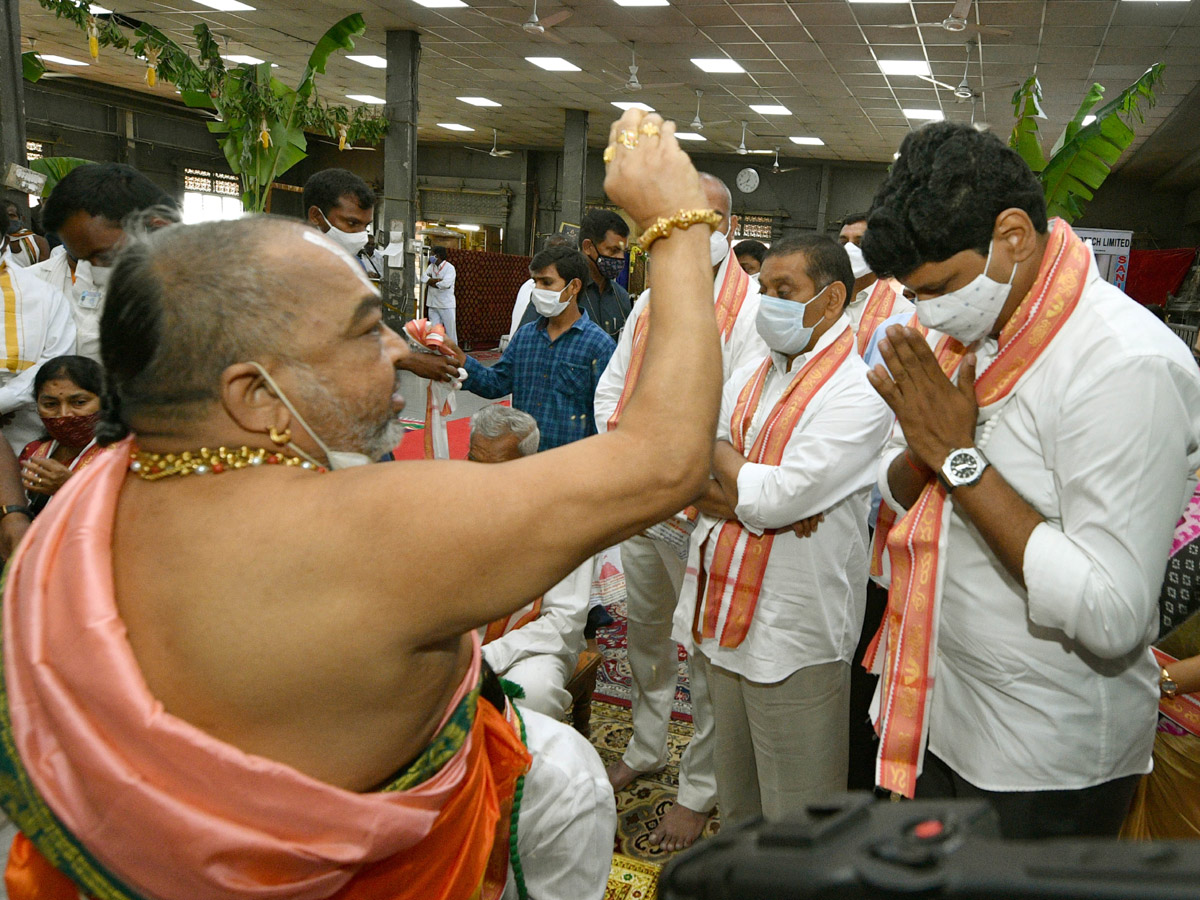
36,326
87,300
742,346
441,297
1052,686
810,610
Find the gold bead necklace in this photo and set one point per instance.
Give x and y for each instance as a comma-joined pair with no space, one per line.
154,466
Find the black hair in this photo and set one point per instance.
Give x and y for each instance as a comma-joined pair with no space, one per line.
597,223
567,261
942,196
852,219
825,260
81,370
757,249
439,251
326,188
111,190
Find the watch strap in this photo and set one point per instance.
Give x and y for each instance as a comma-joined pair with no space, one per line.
5,510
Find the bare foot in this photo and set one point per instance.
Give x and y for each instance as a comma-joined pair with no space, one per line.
620,776
679,828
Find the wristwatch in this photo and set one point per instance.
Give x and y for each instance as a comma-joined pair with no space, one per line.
1167,685
962,468
5,510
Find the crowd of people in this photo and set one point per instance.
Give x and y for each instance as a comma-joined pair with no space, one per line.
926,476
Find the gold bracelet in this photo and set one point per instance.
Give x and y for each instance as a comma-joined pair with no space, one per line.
685,218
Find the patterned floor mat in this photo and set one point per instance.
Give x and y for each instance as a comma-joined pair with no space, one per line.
632,879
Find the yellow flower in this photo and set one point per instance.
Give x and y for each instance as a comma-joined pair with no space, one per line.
93,36
152,65
264,135
341,135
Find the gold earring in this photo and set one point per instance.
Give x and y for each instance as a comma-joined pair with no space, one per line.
281,439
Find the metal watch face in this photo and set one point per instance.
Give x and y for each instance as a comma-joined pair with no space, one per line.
962,466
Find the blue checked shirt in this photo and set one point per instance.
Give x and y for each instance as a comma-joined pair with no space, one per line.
553,382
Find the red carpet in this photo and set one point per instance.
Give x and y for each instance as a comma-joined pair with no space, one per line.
412,446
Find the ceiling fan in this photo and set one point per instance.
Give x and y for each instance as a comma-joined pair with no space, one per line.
775,169
696,124
493,151
957,21
741,148
964,91
634,84
541,27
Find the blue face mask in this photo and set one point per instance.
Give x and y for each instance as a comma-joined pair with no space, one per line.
781,325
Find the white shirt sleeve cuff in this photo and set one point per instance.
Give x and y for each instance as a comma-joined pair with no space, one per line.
750,488
1056,574
885,489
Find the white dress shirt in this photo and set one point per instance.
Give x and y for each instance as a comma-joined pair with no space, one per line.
1052,686
43,329
86,299
558,631
743,346
441,297
810,609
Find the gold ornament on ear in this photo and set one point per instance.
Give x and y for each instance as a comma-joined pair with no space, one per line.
281,439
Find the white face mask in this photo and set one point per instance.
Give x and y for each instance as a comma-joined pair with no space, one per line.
718,247
858,262
969,313
351,242
335,459
548,303
780,323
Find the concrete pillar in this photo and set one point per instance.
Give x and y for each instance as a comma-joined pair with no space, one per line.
575,136
400,165
12,94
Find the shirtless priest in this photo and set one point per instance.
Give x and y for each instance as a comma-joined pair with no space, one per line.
232,674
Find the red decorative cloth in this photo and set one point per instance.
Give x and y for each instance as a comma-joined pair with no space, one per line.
1153,274
485,288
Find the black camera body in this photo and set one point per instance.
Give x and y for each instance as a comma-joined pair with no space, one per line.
857,847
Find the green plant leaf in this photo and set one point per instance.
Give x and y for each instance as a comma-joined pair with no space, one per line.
32,67
55,168
340,37
1027,107
1074,173
1094,96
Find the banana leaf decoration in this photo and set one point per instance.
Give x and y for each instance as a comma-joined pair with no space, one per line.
32,67
55,169
1084,155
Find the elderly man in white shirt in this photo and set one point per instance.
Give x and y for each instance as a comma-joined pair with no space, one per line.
537,646
439,278
654,561
776,581
1033,494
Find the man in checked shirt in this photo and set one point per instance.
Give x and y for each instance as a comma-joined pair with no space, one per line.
552,364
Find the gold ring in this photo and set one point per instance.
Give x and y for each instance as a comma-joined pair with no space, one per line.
628,139
609,152
649,129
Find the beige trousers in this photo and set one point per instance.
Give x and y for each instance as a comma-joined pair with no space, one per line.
780,746
653,578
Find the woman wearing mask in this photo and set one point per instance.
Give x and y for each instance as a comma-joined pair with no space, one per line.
67,391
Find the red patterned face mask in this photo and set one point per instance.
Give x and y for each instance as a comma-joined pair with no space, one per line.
73,431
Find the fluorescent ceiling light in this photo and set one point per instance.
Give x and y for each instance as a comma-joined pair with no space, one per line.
466,227
807,141
440,4
718,65
933,115
878,1
454,126
904,67
61,60
479,101
628,105
375,62
689,136
1087,120
244,59
553,64
367,98
226,5
97,10
642,2
769,109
